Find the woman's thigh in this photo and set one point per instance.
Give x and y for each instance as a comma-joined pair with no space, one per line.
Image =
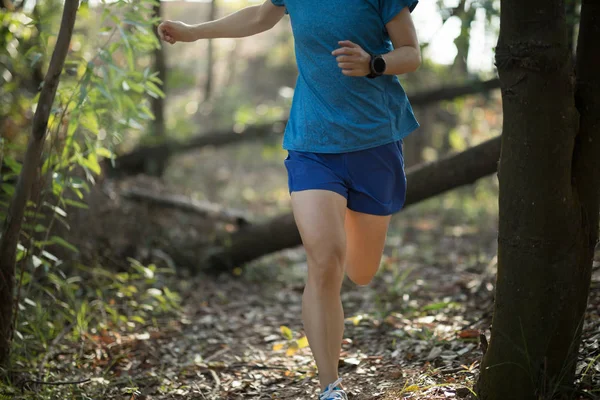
319,215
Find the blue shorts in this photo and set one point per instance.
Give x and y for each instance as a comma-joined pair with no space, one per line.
371,180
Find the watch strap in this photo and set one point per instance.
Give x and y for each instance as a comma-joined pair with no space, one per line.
374,73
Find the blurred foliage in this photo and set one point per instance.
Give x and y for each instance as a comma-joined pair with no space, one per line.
102,98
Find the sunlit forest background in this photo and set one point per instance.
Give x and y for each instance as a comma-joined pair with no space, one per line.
119,295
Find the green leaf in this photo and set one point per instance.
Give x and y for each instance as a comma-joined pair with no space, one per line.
137,87
39,228
56,209
146,112
13,164
49,256
77,204
92,163
138,319
90,122
138,25
286,332
8,189
62,242
103,152
437,306
154,90
73,124
36,261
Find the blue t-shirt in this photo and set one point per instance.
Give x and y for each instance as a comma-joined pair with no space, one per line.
331,112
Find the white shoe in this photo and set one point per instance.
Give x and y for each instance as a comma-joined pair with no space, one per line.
333,392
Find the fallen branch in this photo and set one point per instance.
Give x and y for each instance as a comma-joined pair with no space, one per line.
424,181
186,204
452,92
152,159
60,383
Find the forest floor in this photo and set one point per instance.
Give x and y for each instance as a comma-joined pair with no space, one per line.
413,333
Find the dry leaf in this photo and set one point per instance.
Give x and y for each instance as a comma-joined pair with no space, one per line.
302,342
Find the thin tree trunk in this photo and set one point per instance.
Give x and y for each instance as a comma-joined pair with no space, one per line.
424,181
463,40
158,128
548,203
156,166
14,219
208,88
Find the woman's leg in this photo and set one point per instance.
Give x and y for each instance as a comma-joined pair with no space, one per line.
365,237
319,215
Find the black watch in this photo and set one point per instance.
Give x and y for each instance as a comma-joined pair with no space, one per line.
377,66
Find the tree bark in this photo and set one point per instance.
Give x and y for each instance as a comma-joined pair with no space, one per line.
136,161
210,60
463,40
14,219
156,167
548,201
586,155
160,66
424,181
572,21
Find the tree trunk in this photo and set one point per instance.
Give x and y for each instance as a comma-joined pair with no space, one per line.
548,201
31,164
210,59
156,167
424,181
586,155
136,161
572,21
463,40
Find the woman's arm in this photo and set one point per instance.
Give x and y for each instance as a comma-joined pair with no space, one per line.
406,56
245,22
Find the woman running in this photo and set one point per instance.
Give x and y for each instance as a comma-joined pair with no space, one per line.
344,136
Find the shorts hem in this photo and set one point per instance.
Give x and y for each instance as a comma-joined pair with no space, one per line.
371,211
320,187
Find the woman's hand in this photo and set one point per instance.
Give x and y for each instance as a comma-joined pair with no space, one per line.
175,31
352,59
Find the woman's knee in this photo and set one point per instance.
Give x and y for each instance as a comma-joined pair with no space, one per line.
361,278
362,274
326,264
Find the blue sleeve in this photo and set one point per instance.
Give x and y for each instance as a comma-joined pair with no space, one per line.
278,3
390,8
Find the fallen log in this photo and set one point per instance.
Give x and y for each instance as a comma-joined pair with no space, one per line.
424,181
152,159
184,203
452,92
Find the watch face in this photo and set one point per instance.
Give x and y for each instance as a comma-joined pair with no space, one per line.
379,65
